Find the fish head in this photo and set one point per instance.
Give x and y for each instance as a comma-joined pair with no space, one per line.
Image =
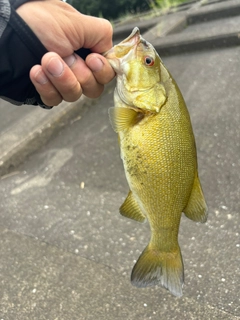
138,69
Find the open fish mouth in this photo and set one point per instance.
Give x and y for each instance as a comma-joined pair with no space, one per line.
133,38
126,49
121,50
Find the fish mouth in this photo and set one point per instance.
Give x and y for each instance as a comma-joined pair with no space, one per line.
116,54
133,38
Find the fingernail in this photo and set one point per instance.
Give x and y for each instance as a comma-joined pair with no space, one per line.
55,67
70,60
40,77
96,64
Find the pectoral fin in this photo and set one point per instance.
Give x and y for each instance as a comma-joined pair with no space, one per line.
196,208
122,118
131,209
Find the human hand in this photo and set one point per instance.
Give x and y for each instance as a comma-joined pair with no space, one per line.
63,75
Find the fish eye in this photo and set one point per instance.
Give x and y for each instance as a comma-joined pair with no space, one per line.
149,61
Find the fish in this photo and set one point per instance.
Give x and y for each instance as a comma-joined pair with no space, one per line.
158,151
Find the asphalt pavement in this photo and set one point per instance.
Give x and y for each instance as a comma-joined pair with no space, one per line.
66,253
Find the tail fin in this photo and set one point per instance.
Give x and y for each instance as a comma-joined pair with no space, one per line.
155,267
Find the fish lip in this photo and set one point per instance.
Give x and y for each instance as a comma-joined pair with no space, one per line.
113,60
130,42
133,39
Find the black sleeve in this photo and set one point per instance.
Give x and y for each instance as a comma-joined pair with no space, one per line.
20,50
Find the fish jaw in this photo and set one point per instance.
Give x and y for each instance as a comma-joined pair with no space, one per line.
123,51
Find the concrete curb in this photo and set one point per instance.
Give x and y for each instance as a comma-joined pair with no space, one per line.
213,11
176,44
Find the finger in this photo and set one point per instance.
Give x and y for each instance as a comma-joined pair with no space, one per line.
94,33
48,93
100,68
61,76
90,86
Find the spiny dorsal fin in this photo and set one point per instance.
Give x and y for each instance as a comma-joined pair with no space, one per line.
131,209
196,208
122,118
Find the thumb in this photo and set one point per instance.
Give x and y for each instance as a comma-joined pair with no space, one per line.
94,33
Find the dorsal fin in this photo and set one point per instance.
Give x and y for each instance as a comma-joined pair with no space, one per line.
122,118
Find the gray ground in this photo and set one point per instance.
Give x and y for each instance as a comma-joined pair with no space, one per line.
66,253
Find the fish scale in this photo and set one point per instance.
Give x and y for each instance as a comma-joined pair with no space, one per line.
159,157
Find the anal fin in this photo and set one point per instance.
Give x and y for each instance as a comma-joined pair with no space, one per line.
196,208
131,209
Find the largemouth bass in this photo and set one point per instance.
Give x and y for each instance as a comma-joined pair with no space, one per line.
159,157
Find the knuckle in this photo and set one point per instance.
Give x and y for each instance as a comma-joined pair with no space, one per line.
108,28
51,98
72,92
105,76
93,92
